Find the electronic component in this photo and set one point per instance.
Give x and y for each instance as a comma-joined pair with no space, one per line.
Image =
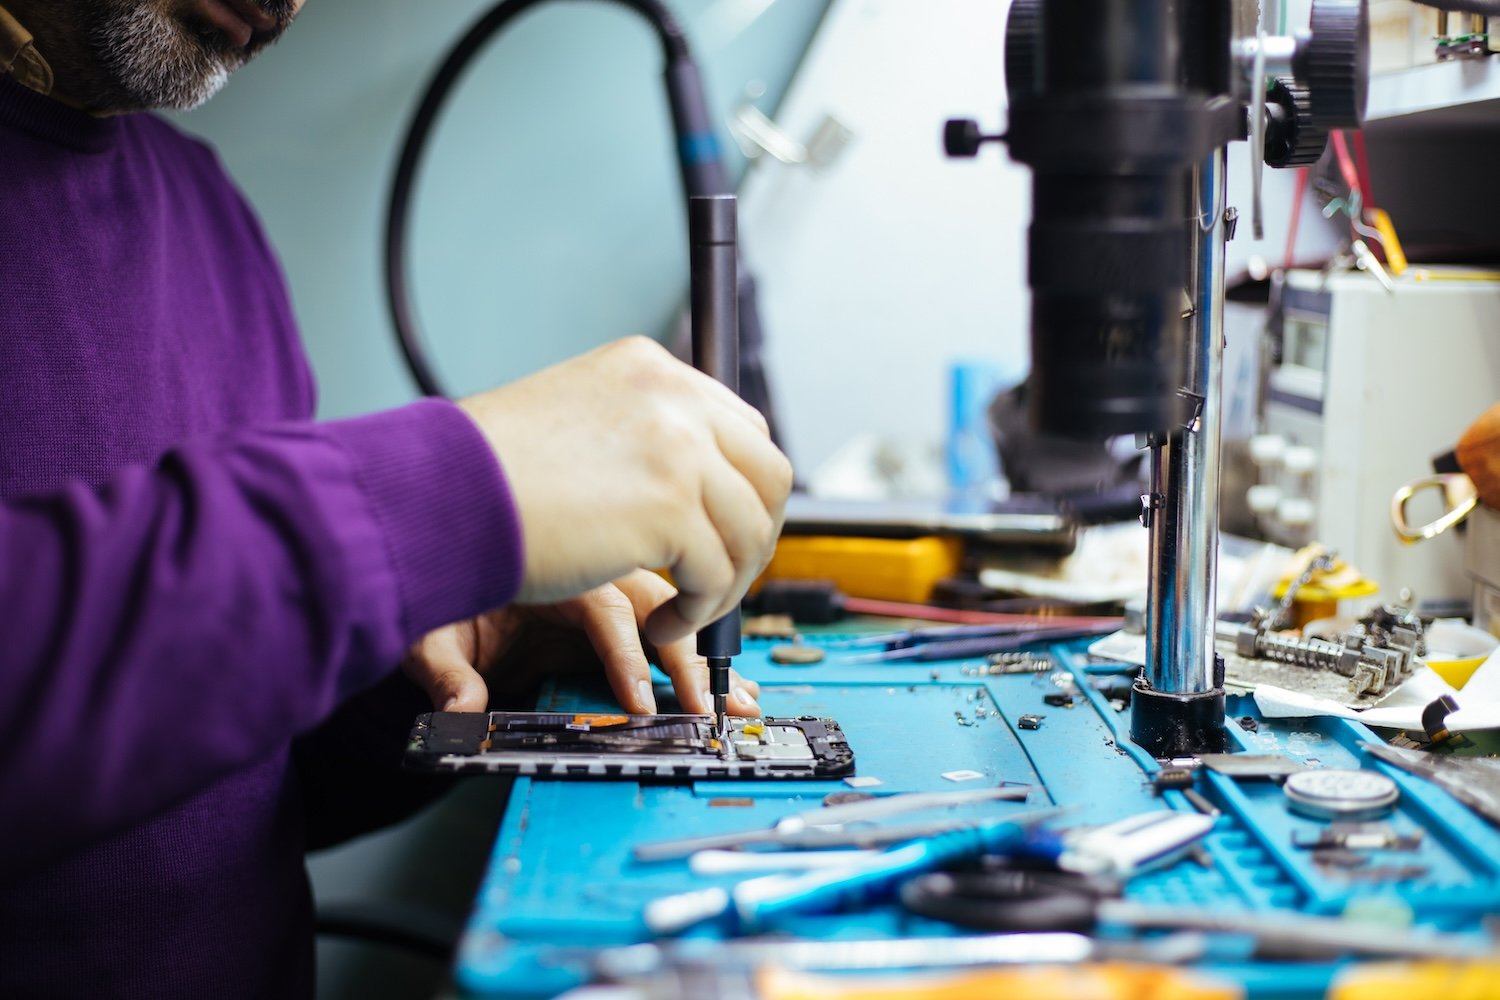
1200,802
1000,664
661,748
1341,794
1172,779
1380,652
1359,837
1030,721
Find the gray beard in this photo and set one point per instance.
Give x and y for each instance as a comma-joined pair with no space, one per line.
158,62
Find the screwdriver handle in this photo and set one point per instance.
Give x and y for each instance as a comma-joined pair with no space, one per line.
714,313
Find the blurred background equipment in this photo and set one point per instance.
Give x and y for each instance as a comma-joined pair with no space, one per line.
1364,387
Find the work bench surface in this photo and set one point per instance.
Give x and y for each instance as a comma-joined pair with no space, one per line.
562,880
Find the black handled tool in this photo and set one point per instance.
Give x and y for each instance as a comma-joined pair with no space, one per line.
716,352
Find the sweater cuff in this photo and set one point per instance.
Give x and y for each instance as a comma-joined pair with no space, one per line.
442,503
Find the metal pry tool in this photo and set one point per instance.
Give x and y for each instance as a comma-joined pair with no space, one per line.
714,310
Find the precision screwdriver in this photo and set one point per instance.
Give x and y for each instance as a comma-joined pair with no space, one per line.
714,312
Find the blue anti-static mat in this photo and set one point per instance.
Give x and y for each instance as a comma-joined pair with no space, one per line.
562,879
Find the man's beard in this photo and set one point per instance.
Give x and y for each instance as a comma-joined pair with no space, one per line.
158,61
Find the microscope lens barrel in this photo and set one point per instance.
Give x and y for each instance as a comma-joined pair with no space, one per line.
1112,136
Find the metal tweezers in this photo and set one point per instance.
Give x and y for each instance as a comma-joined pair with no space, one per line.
826,827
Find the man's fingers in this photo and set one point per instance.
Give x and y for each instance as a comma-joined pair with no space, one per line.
608,618
746,528
440,665
762,465
735,405
680,660
689,673
705,574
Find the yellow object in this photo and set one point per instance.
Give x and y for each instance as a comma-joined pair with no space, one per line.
1448,980
884,569
752,728
1456,672
1105,981
599,719
1428,274
1456,649
1319,597
1395,257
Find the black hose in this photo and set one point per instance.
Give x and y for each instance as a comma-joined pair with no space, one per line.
702,171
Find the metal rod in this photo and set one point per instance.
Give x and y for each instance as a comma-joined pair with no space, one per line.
1181,593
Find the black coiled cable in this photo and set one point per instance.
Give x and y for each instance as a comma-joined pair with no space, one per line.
702,171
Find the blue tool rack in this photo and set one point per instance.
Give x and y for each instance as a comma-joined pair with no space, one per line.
562,879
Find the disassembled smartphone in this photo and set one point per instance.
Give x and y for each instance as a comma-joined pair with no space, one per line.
653,748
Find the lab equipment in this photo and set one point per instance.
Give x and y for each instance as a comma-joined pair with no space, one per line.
1354,409
1124,125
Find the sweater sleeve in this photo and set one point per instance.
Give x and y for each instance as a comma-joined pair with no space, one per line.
186,620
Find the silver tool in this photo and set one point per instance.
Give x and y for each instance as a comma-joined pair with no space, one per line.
824,827
719,862
1474,781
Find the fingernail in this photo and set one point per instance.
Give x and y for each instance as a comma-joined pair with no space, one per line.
645,697
743,697
708,702
451,705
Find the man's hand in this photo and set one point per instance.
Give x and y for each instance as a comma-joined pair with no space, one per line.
451,663
624,459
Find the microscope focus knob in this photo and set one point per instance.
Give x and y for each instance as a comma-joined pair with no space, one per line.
1292,140
1023,46
962,137
1334,63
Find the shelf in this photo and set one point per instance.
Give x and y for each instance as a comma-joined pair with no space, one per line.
1461,89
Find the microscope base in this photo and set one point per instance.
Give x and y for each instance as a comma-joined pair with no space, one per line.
1167,725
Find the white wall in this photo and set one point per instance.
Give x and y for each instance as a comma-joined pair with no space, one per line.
548,217
879,271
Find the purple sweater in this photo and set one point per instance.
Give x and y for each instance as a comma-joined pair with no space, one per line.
192,572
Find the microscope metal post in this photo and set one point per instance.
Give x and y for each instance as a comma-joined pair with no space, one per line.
1123,109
